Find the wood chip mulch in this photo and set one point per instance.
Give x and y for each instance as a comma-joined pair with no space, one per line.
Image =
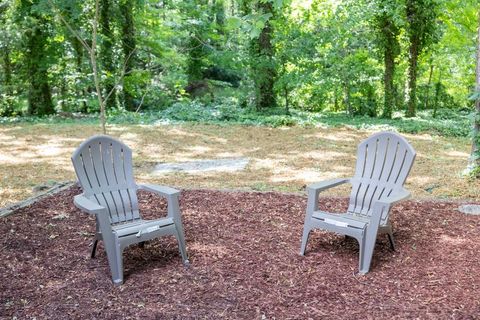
243,250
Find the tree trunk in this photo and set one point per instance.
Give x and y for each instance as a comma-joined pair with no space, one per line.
196,49
129,47
63,94
438,86
106,52
7,79
81,93
92,52
421,18
388,32
219,7
5,49
411,90
335,99
39,94
93,61
346,97
398,97
265,73
7,70
427,94
287,102
389,98
474,161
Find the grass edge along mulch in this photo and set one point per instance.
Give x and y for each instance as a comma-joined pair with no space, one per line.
243,249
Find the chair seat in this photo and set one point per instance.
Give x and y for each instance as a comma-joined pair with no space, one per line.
145,226
342,220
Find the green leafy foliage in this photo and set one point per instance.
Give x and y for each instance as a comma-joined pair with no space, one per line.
272,62
447,123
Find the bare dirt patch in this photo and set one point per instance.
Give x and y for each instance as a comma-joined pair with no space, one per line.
200,166
281,159
243,249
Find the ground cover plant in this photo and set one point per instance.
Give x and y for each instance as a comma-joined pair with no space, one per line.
446,123
243,249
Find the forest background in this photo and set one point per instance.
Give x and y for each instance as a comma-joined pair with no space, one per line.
382,58
309,65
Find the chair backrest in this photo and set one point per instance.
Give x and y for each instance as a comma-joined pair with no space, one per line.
384,161
104,170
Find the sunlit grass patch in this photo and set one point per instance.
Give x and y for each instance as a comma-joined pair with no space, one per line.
281,159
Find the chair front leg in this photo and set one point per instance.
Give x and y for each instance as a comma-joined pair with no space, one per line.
312,205
174,212
117,272
370,237
114,252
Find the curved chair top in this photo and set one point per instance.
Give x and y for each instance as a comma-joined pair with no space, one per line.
104,170
384,161
388,135
98,138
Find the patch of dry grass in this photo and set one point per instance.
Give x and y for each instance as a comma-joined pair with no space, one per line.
283,159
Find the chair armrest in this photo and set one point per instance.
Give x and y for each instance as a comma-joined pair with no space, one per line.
327,184
161,190
173,206
87,205
384,205
398,196
101,216
314,191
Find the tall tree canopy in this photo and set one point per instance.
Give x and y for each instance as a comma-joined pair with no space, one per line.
376,58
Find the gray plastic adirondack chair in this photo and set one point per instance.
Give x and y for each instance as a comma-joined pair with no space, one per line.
104,170
384,161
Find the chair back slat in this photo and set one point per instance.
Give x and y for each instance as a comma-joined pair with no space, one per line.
383,163
104,169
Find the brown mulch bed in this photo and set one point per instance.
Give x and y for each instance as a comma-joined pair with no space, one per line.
243,250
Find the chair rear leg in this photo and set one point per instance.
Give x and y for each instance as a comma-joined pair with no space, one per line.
390,239
305,236
181,245
94,248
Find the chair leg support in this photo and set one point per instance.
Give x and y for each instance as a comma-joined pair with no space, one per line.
181,246
305,236
390,239
94,248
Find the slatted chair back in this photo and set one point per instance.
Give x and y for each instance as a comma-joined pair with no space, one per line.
383,163
104,170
